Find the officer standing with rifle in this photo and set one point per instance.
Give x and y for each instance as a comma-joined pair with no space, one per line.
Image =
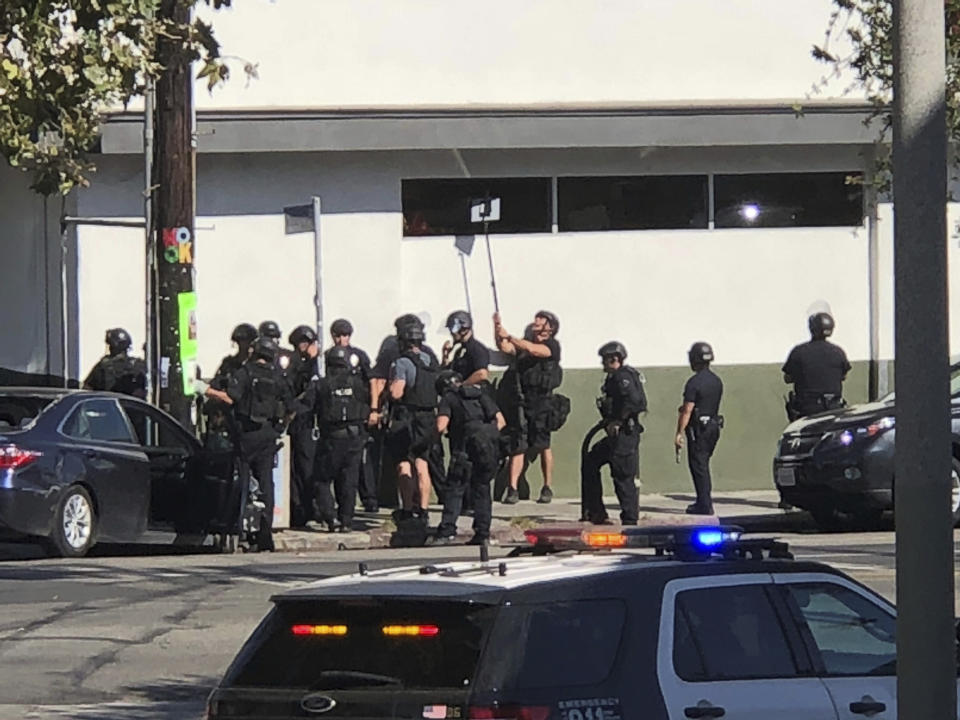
620,406
816,369
700,421
340,402
262,404
220,429
473,422
117,371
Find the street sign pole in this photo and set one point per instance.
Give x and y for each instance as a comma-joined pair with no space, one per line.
926,637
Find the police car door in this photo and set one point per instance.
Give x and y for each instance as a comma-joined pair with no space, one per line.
850,635
727,648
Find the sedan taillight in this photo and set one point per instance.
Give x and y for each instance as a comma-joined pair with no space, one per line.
14,458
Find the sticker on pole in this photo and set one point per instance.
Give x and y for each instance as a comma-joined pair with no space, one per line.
189,345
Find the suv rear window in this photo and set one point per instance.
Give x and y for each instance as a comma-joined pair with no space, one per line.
355,651
18,411
556,645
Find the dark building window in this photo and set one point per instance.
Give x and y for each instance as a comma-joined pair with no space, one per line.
788,200
632,203
442,207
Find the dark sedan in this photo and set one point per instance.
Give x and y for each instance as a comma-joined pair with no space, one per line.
838,465
78,468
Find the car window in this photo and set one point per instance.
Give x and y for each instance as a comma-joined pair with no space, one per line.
18,411
853,635
729,633
98,420
560,644
153,431
368,642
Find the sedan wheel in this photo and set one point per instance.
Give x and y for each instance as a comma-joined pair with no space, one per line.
74,526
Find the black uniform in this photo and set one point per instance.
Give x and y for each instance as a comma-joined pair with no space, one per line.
623,400
704,390
340,403
474,457
221,428
367,480
262,400
300,371
119,373
818,369
470,356
526,392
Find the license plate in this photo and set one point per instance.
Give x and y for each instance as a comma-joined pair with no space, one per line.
786,476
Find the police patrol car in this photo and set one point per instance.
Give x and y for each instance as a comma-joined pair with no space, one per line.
702,623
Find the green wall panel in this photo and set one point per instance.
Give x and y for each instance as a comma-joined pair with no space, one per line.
752,408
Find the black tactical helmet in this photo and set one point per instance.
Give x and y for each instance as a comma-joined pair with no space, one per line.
700,353
458,321
550,318
118,340
614,347
337,357
410,334
266,348
301,334
405,321
244,333
341,327
821,325
268,328
447,380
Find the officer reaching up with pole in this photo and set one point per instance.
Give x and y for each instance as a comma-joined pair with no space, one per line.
700,421
620,406
816,369
473,422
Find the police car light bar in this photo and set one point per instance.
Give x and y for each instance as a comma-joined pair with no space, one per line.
700,539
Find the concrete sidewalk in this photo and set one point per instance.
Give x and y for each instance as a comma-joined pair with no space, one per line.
755,509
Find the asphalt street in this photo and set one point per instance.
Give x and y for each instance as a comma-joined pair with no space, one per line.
124,637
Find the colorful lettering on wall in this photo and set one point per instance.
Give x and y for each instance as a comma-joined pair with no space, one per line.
177,245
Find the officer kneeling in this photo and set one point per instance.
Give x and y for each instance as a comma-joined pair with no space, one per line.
623,400
341,404
472,422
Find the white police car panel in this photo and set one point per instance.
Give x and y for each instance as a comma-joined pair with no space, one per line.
722,653
853,635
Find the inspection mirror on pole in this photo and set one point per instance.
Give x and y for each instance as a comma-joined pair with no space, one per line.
487,210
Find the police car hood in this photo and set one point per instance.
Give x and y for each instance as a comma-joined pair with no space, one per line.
853,416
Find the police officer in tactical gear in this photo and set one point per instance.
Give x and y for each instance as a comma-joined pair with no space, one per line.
341,332
526,399
340,401
411,434
302,369
268,328
262,403
620,406
472,422
220,429
463,353
117,371
816,369
699,419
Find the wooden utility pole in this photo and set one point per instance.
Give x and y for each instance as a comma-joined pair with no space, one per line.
173,216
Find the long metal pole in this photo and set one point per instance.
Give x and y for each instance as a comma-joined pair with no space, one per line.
150,279
318,276
926,640
466,282
493,277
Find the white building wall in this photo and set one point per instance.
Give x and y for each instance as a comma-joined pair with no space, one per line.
338,53
746,291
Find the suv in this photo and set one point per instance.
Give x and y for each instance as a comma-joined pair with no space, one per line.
708,624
